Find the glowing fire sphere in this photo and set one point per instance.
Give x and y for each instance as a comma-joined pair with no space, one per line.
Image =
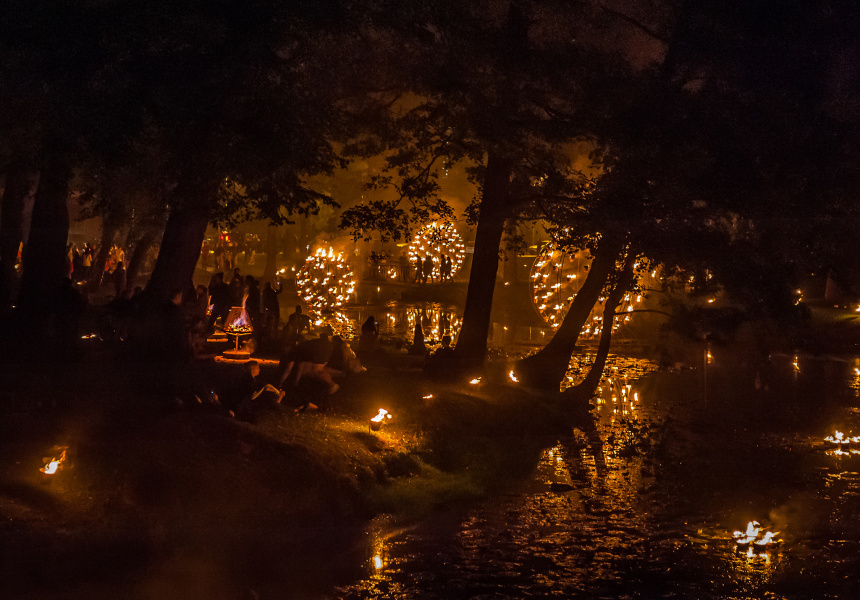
435,240
325,280
557,276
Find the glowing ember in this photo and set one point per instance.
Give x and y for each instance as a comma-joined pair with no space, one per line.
513,377
435,240
238,322
53,465
325,280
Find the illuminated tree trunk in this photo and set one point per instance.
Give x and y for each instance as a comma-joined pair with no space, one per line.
11,229
546,369
471,348
45,255
183,238
588,386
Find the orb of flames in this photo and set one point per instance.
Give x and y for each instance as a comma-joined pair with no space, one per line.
325,280
557,276
435,240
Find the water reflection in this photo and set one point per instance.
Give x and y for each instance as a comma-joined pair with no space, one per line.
397,320
644,505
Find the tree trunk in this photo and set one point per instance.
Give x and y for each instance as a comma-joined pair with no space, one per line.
183,239
588,386
11,229
271,254
471,349
45,255
546,369
135,263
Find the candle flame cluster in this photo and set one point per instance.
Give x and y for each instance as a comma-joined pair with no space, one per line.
325,280
556,277
435,239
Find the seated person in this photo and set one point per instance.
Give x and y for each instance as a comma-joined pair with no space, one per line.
442,359
369,340
245,394
310,358
418,347
343,359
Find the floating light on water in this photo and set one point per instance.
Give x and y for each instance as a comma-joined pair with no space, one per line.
475,381
840,438
435,240
756,538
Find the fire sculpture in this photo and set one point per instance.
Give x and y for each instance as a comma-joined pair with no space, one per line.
555,279
755,538
54,464
325,280
434,240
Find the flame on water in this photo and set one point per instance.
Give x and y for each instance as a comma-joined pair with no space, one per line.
840,438
381,415
53,465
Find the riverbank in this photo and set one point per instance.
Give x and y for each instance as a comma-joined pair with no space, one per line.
153,500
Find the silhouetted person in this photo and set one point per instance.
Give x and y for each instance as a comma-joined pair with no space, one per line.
369,340
418,347
119,279
219,296
271,308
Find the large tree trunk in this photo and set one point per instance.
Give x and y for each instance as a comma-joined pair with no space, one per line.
135,263
183,238
271,254
45,255
588,386
11,229
546,369
471,349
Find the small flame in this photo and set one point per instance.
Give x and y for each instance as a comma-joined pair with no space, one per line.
377,562
475,381
513,377
382,414
53,465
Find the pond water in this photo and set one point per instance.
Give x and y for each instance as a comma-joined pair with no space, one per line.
645,506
